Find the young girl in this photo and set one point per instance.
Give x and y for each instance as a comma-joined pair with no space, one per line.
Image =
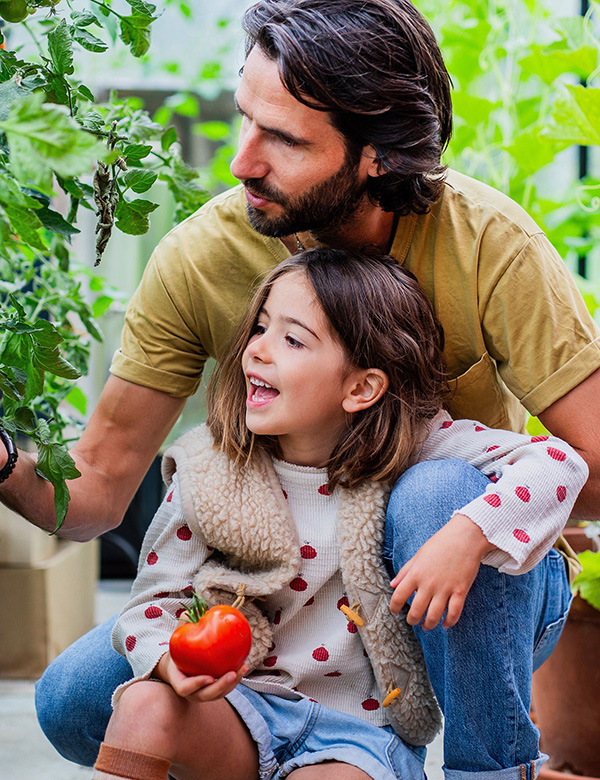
332,388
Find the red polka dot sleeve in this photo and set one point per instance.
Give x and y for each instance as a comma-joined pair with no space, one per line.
171,556
534,482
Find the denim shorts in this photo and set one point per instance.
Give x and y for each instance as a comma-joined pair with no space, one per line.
291,734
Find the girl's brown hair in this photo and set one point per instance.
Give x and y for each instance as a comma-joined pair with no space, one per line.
382,319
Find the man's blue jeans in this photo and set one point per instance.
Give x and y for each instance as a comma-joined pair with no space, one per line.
480,669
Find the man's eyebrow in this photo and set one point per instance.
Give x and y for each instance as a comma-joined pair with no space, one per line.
295,139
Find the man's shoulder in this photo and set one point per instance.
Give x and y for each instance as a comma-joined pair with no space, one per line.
477,202
225,211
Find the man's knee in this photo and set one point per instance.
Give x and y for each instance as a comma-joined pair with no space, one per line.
426,496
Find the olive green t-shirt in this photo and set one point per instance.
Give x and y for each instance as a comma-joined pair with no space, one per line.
518,334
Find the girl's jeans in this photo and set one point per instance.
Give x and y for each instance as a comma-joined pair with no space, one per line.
480,669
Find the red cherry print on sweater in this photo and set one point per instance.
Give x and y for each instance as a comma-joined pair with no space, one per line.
310,602
493,499
521,535
270,661
324,490
352,628
152,558
320,654
556,454
370,704
561,493
130,643
539,438
343,602
153,612
333,674
523,493
308,552
479,428
188,589
184,533
298,584
494,478
277,617
447,423
179,612
170,497
162,595
285,495
493,447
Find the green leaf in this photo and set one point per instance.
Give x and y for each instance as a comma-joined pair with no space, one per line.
142,7
576,116
135,34
12,382
60,47
26,224
9,92
588,581
133,153
88,41
43,138
139,180
78,399
101,305
83,18
168,138
132,216
86,93
10,192
55,222
25,419
56,465
217,131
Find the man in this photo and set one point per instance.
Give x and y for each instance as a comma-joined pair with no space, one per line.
345,114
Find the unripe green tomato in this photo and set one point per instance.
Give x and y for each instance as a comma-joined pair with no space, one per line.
13,10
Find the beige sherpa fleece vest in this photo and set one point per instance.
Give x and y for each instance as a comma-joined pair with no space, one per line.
240,511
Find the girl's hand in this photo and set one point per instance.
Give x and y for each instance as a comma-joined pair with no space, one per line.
441,573
200,688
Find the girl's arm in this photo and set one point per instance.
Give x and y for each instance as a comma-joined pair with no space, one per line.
534,482
171,556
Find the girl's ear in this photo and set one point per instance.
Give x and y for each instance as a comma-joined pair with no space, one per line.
365,390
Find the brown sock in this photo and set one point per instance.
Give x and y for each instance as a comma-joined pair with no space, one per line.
130,764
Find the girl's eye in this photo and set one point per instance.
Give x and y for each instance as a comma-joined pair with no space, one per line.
293,342
259,329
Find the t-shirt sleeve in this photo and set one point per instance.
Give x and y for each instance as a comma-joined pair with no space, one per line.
160,345
537,327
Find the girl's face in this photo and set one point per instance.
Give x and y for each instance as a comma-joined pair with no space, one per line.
297,374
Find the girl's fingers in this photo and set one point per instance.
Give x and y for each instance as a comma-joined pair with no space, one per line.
455,608
435,611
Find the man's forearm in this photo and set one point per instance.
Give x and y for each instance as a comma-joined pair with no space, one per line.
90,512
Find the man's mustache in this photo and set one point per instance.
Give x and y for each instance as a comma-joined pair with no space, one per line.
258,187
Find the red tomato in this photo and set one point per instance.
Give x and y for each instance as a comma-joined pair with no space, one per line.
216,642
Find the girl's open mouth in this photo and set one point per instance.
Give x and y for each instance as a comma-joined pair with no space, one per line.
260,392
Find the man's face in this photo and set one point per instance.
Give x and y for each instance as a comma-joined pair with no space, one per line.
293,163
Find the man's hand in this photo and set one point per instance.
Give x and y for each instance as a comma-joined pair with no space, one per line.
441,574
200,688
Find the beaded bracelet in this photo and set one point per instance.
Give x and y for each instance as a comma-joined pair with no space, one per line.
13,456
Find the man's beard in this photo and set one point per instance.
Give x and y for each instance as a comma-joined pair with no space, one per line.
322,209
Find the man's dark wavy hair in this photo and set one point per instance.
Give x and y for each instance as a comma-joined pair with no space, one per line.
376,67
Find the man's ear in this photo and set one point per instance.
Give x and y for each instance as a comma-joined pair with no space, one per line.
365,390
371,162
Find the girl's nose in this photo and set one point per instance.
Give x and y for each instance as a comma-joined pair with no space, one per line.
259,350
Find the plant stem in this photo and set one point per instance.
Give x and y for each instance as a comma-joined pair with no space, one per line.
107,8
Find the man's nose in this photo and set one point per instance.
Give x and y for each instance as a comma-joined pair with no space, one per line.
249,162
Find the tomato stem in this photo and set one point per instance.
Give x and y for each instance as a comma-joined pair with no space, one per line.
197,610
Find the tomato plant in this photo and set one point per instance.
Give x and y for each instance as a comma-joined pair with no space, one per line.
214,641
